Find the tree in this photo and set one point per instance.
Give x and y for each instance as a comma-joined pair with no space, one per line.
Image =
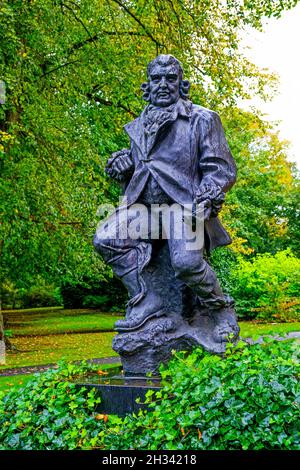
72,70
261,210
2,341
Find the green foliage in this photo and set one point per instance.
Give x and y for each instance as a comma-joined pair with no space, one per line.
248,400
41,296
72,72
262,209
95,301
267,286
50,412
92,293
223,261
10,295
38,295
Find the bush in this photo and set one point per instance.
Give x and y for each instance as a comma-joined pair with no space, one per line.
50,413
95,301
267,287
249,400
223,261
41,296
108,295
10,295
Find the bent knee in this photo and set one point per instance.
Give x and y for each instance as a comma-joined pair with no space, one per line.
104,236
183,268
101,244
98,243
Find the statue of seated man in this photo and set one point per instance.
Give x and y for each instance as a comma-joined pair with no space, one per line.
178,155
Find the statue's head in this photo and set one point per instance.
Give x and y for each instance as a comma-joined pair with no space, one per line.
165,83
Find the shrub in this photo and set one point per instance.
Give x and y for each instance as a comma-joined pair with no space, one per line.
10,295
250,400
109,295
223,261
95,301
41,296
50,413
247,400
267,287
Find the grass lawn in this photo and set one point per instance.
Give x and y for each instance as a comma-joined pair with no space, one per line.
36,350
37,322
44,336
18,381
254,330
32,310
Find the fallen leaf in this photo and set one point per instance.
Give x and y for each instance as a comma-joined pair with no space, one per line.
101,372
102,417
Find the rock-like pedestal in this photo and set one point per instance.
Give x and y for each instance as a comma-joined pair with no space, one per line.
183,325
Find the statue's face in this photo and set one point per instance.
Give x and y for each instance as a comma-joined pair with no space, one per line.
164,85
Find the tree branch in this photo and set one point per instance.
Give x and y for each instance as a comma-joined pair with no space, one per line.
57,68
97,99
158,44
79,20
70,223
94,38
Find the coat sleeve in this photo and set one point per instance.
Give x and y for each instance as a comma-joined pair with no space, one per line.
216,163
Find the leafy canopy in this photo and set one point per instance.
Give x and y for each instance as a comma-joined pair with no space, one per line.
72,71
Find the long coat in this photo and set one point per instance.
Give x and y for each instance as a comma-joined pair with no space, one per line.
189,149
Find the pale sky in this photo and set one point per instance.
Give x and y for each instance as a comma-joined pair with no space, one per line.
277,49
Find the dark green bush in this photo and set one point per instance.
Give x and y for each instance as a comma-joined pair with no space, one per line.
41,296
50,413
223,260
108,295
248,400
95,301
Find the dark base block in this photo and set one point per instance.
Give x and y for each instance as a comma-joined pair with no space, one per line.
119,393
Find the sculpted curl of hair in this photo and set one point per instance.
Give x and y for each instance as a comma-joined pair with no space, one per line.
165,60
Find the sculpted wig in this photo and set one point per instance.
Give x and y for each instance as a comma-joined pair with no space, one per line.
165,60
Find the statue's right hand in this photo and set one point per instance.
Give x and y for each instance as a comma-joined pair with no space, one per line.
119,164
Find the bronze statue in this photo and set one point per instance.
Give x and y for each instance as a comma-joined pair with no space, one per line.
178,155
